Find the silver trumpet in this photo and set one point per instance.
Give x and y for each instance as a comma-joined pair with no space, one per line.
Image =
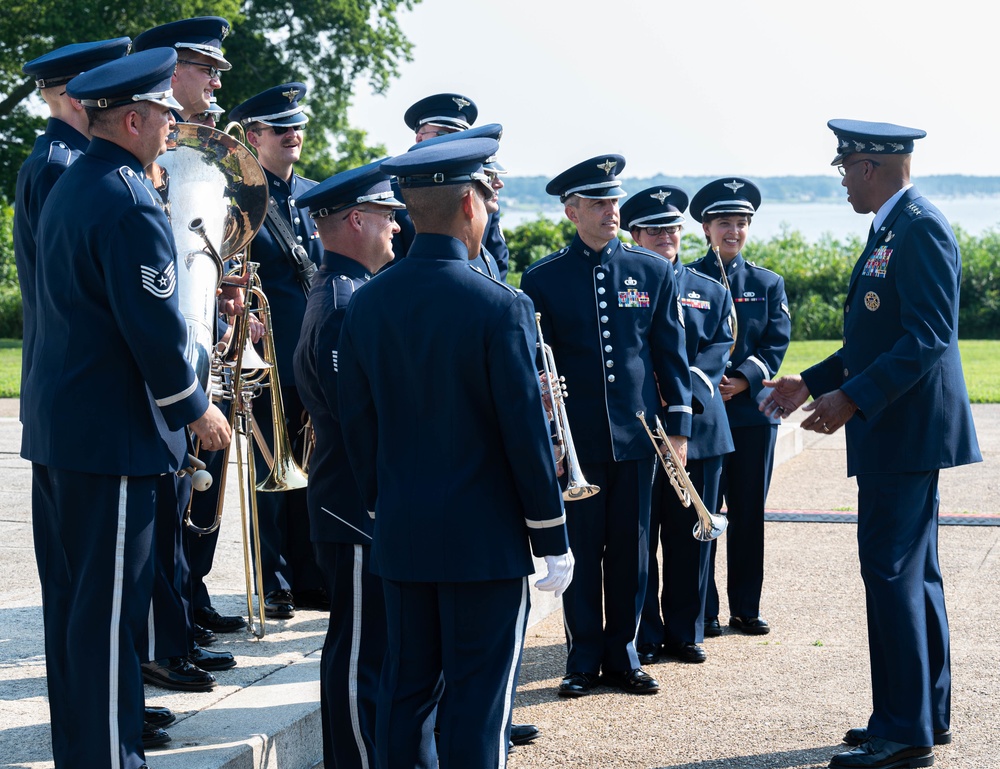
578,486
709,526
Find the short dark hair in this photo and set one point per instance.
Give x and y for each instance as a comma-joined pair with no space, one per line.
102,119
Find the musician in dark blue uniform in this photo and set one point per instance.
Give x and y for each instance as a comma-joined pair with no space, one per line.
447,436
654,217
610,312
725,208
354,212
106,258
288,249
897,385
435,117
65,138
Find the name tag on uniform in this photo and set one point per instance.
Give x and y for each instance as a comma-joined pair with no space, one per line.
877,263
633,298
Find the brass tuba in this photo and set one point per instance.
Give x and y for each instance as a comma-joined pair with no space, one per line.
577,486
709,525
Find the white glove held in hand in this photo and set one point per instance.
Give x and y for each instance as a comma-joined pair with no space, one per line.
559,575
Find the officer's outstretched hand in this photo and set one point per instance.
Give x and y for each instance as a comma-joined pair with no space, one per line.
212,429
559,574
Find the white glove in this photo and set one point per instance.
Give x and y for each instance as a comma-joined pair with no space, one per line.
559,575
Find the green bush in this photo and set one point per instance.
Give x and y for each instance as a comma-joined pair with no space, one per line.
11,317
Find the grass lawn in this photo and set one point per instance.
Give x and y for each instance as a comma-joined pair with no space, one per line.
980,359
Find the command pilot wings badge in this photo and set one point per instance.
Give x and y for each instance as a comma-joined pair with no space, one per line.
734,185
608,165
160,283
460,102
660,196
290,94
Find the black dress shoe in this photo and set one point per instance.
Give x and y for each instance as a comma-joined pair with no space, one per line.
636,681
153,737
859,735
158,717
207,659
204,636
712,627
685,652
177,673
750,625
522,734
648,654
876,753
312,599
279,604
578,684
210,619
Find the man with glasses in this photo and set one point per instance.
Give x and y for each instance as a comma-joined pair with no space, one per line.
654,217
288,249
897,387
455,519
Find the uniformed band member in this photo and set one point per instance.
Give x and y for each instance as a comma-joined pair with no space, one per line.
200,62
445,114
654,217
65,138
455,520
896,382
355,214
106,257
724,208
610,313
288,249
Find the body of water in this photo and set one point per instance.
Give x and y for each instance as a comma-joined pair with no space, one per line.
974,215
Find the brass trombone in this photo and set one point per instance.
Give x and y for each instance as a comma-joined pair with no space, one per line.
709,526
577,486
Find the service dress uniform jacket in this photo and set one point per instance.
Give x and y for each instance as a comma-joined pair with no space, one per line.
706,305
444,425
900,365
54,150
105,402
763,333
341,528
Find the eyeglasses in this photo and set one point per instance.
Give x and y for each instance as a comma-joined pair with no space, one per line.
844,166
672,229
214,73
390,215
281,130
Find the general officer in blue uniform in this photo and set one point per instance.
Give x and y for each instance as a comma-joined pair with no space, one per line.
654,217
897,385
447,114
355,213
288,249
610,312
65,138
446,433
725,208
106,259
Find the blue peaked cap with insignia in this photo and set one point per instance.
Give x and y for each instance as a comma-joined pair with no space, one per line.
595,179
367,184
872,138
203,34
444,163
731,195
60,66
658,206
489,131
143,76
448,110
278,106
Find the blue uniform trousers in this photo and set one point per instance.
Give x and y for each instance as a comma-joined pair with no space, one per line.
746,477
94,548
171,633
609,537
353,654
462,637
685,560
907,623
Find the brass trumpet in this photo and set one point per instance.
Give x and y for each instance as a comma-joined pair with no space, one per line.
709,526
577,486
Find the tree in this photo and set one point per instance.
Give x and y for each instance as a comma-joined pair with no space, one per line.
328,44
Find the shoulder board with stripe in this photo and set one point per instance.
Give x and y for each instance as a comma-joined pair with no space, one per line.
60,154
490,278
140,192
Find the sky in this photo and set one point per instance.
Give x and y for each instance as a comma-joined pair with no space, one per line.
692,88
